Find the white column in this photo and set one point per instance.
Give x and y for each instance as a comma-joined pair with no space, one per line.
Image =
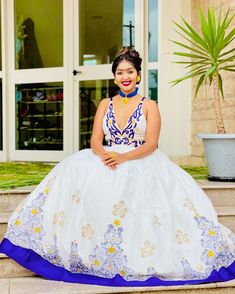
174,102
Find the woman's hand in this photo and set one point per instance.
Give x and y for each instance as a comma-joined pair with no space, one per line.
112,159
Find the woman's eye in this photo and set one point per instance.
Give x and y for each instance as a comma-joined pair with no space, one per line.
119,73
131,72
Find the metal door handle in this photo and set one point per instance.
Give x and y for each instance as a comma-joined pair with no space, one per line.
75,72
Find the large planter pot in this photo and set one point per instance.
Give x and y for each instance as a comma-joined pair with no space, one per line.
220,155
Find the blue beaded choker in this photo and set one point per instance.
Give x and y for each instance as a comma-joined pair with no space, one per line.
126,96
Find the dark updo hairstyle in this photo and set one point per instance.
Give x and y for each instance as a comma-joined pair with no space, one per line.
130,55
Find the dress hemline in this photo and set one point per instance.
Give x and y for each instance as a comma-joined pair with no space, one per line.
37,264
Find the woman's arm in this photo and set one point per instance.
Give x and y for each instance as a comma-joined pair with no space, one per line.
97,131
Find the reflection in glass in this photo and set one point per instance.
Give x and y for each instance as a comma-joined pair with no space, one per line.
104,27
38,33
39,121
1,122
90,95
153,84
153,29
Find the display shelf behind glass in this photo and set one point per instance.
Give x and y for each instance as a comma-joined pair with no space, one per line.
39,117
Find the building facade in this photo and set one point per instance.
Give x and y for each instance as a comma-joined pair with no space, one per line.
56,67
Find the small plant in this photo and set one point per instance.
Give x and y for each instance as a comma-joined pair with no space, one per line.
210,54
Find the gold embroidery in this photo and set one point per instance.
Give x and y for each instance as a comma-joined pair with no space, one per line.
188,204
148,249
87,231
76,197
117,222
111,250
59,218
120,209
210,253
182,237
157,221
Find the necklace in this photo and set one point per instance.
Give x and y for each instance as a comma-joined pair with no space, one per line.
126,96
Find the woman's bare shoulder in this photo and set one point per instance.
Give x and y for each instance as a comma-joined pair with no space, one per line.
104,102
149,103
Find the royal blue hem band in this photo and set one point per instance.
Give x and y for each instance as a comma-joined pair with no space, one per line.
37,264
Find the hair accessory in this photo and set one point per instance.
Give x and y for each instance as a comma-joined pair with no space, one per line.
126,96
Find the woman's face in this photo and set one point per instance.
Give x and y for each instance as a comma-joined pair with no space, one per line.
126,76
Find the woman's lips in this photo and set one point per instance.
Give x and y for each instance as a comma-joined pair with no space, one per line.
126,83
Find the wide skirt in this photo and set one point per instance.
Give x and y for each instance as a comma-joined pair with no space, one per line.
146,223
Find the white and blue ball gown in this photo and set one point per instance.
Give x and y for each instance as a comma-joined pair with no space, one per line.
146,223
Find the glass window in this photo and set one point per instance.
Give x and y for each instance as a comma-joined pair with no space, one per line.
153,29
153,82
104,27
39,121
90,95
38,33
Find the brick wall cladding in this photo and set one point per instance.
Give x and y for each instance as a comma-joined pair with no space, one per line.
203,116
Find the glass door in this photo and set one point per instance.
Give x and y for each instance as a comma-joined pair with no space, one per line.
101,29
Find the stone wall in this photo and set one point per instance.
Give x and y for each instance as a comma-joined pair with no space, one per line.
203,116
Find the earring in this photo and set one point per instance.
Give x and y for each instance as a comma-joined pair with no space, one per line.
115,82
138,79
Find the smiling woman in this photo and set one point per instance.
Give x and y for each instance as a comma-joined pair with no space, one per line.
121,214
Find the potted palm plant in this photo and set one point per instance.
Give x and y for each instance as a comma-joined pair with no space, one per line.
210,53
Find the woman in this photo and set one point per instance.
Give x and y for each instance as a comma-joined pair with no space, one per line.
121,214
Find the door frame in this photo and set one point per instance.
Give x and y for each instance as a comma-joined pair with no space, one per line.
101,71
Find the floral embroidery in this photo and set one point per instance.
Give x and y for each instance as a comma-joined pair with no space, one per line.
148,249
188,204
87,231
52,254
216,251
182,237
76,197
117,222
120,209
125,136
59,218
26,228
156,221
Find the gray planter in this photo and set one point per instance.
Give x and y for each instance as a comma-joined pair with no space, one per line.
220,156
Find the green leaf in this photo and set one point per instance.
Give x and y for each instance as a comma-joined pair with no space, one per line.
188,47
195,44
189,55
211,70
199,83
174,82
227,52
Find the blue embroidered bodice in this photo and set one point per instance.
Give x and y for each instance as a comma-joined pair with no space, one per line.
133,132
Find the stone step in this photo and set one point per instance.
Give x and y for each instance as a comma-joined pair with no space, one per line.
38,285
220,193
9,268
10,199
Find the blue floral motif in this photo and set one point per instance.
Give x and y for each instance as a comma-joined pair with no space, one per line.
216,251
107,260
52,254
126,135
26,229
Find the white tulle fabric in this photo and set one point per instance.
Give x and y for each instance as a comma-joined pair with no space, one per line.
147,218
